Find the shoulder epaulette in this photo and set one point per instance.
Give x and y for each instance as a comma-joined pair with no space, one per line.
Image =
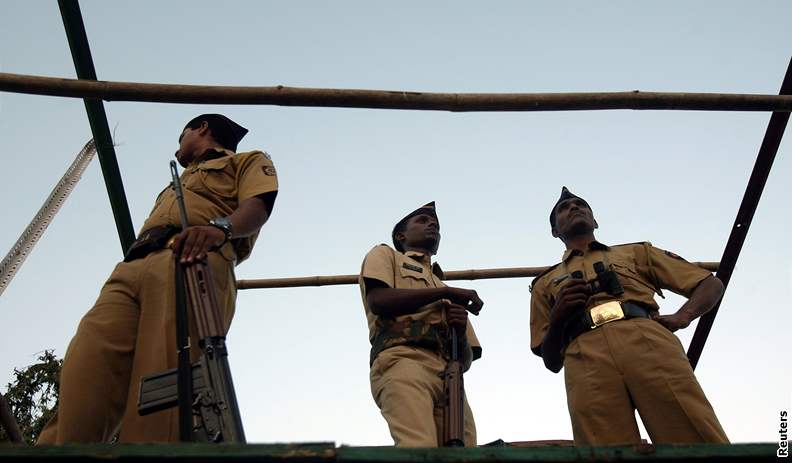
251,153
630,244
378,246
548,270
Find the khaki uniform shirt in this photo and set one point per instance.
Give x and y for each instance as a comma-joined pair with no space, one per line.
213,187
642,269
410,270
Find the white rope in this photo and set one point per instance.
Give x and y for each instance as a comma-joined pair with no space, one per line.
19,252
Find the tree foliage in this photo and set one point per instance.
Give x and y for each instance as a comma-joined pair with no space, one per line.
33,395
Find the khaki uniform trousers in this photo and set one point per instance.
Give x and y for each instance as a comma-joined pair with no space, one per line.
408,389
629,364
130,332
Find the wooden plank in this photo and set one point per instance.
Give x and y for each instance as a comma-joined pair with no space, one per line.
276,453
327,453
714,452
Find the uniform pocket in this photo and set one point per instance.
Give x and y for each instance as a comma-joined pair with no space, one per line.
629,275
624,267
218,182
414,277
378,378
215,177
222,270
575,376
663,349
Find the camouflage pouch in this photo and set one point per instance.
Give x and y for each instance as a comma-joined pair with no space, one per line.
416,333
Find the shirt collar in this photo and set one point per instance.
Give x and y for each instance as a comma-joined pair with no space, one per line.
426,259
213,153
419,256
594,245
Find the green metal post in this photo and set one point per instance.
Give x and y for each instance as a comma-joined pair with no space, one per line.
83,63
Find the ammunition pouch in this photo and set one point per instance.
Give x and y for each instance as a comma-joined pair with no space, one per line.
416,333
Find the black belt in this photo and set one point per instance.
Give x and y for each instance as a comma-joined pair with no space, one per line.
151,240
584,323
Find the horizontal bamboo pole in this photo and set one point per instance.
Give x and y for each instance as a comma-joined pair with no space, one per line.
389,99
475,274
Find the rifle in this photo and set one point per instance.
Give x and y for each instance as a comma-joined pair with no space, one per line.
204,390
454,398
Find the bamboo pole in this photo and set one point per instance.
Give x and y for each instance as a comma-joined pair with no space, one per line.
389,99
475,274
9,423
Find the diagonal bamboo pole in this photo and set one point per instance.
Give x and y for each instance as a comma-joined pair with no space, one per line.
475,274
97,119
753,193
388,99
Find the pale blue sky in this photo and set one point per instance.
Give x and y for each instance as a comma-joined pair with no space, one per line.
299,356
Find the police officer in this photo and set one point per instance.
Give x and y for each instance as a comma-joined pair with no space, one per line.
594,314
409,310
130,331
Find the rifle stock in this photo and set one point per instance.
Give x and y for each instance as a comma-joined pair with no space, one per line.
217,404
454,398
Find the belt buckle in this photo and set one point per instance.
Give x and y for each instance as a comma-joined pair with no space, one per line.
169,244
606,313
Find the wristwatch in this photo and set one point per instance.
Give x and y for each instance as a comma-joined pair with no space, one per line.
223,224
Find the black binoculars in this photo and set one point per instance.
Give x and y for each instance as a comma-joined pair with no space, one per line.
607,281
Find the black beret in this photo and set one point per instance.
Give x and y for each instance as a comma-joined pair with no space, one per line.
225,131
565,194
428,208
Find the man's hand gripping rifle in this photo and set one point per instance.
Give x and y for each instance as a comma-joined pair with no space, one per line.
463,301
204,390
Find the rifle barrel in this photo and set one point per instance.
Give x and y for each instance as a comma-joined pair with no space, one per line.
179,194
